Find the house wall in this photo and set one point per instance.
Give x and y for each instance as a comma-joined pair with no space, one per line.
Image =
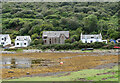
62,39
6,42
55,40
21,43
89,40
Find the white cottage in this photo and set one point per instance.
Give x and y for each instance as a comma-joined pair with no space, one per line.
5,39
22,41
55,37
92,38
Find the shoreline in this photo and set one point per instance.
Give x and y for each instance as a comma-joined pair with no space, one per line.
106,51
99,67
72,62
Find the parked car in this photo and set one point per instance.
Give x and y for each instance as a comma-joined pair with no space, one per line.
117,47
87,49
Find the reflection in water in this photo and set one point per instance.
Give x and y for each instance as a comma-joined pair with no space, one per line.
9,62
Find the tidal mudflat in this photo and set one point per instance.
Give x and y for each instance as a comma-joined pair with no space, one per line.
34,64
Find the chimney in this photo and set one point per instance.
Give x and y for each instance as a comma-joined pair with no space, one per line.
81,36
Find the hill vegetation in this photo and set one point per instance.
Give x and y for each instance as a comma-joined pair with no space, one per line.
22,18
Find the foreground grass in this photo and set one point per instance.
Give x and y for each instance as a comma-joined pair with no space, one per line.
83,75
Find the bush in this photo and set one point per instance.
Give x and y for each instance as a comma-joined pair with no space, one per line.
75,45
68,41
52,17
1,46
98,44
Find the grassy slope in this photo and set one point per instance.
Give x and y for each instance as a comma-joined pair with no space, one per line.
89,74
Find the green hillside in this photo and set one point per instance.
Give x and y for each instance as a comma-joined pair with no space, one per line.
22,18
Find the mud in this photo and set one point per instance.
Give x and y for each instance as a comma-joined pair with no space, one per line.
73,62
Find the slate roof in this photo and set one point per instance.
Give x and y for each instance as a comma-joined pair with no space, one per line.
95,36
23,38
55,33
4,35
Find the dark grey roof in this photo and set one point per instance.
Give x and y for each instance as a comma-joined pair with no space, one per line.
55,33
91,35
22,38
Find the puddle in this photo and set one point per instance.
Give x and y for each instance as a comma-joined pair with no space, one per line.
77,56
10,62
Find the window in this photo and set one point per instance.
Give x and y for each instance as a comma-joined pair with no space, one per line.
50,41
24,43
2,43
92,37
17,43
91,41
5,38
45,37
85,41
55,40
63,37
45,41
2,38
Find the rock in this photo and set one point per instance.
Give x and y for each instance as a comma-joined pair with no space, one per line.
10,71
27,73
12,77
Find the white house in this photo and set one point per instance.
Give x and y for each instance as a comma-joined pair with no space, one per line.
5,39
55,37
92,38
22,41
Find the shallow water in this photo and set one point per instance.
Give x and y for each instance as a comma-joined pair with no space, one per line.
16,62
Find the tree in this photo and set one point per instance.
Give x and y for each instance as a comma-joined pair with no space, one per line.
90,23
55,23
36,29
68,41
115,35
72,24
47,27
34,36
75,37
25,29
112,33
78,32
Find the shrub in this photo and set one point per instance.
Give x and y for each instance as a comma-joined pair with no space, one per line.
98,44
68,41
